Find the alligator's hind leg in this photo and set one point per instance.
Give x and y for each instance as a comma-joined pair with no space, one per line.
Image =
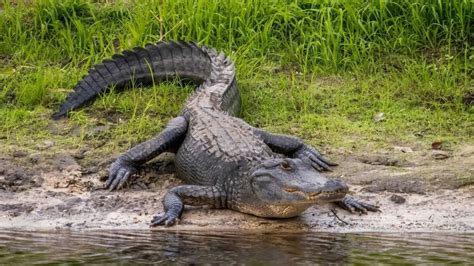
126,165
194,195
296,148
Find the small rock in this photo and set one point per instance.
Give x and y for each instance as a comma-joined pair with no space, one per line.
103,175
76,131
65,162
45,145
398,199
379,117
97,130
36,180
79,155
91,170
403,149
437,145
48,144
56,128
380,160
19,154
440,155
35,158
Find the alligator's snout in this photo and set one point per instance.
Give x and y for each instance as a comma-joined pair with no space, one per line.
333,190
335,186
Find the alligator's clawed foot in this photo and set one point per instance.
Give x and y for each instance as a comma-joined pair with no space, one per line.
119,173
166,220
315,159
353,205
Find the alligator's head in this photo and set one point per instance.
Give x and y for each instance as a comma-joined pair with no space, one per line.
286,187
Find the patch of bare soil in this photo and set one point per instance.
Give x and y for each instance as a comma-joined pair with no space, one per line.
418,190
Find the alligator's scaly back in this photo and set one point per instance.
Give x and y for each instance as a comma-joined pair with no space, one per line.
157,62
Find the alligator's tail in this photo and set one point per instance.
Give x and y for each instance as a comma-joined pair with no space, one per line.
155,62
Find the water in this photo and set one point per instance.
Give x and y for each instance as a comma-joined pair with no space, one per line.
252,248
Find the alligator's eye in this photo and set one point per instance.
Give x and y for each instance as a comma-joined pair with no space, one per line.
286,166
289,189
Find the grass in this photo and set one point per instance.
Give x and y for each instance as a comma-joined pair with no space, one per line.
320,71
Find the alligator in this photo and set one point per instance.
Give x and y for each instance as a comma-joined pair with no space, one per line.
223,161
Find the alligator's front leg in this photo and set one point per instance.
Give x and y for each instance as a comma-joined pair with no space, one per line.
354,205
295,148
175,199
126,165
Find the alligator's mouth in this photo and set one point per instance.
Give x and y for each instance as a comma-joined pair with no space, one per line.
318,196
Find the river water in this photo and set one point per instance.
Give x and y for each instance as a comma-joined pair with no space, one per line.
254,248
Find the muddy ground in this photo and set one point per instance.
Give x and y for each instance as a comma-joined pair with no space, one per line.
418,188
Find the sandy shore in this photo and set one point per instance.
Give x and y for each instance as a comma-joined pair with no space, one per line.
418,190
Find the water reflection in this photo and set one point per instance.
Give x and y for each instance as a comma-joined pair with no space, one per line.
254,248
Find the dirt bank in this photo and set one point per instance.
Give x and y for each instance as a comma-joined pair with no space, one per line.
418,189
